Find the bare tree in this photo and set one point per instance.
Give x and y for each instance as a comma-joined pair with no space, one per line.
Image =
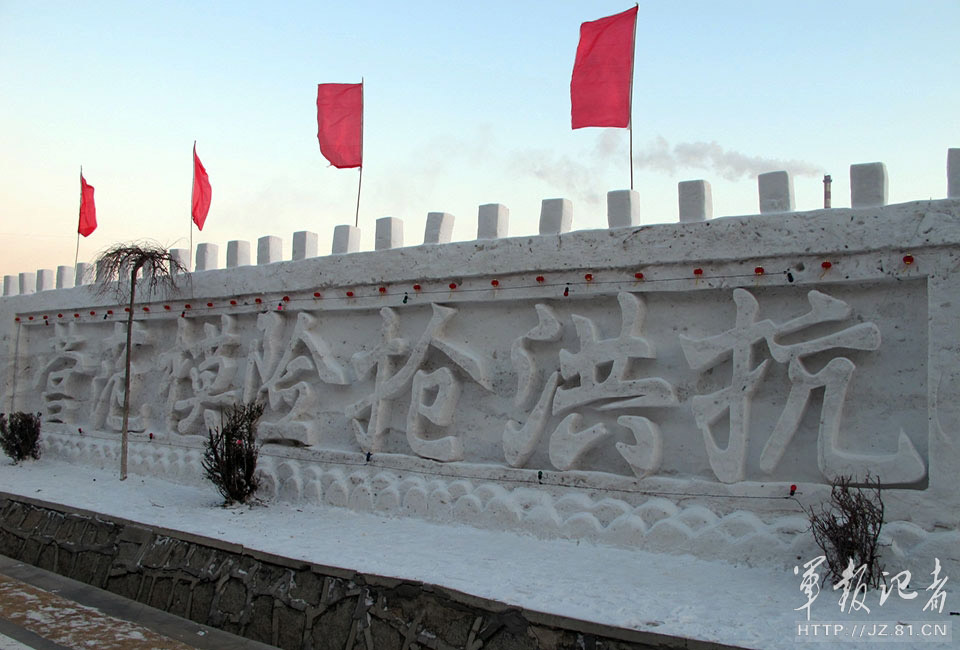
157,269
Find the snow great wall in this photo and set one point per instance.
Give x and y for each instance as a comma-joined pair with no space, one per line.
656,387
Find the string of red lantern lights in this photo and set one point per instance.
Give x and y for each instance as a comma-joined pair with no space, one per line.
698,274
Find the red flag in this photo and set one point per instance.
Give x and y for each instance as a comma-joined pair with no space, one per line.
202,193
88,209
601,86
340,124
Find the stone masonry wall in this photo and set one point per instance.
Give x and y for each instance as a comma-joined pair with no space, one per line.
290,604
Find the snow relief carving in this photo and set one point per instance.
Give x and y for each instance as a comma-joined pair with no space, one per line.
599,376
287,372
64,380
728,463
108,383
201,373
371,415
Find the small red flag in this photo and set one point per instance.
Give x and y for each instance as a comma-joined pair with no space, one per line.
202,193
340,124
88,209
601,84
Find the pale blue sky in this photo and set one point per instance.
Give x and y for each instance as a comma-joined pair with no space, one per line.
466,103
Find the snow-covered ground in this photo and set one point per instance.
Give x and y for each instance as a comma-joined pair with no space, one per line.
666,594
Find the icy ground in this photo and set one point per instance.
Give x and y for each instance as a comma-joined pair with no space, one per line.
666,594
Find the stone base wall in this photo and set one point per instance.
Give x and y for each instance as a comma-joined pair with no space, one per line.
290,604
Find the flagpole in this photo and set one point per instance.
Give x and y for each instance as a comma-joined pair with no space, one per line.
193,187
76,258
356,218
632,59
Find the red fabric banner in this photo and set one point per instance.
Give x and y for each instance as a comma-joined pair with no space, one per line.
600,87
202,193
88,209
340,124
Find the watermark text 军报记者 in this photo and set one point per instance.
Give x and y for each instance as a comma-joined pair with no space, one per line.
854,599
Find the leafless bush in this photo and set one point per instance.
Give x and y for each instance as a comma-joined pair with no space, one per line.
230,458
20,437
848,528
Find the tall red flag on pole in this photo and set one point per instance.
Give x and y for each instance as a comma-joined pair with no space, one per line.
202,193
601,87
88,209
340,124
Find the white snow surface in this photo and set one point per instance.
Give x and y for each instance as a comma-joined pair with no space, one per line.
664,594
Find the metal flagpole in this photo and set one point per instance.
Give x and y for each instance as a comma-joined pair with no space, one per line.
356,219
76,258
193,187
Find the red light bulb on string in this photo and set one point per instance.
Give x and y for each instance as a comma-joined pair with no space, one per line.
29,317
93,313
588,277
187,306
382,290
146,309
541,279
494,283
416,287
638,275
233,303
59,315
908,259
793,490
826,265
209,304
286,299
76,315
316,294
758,270
167,307
453,286
349,294
16,319
257,300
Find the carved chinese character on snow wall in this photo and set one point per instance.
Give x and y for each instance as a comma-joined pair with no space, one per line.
728,463
598,376
287,371
64,379
201,373
398,365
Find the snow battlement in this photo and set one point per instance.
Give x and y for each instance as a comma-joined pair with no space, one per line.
658,386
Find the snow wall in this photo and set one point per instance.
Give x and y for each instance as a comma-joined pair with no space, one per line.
664,387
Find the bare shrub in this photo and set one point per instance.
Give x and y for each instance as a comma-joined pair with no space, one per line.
20,437
230,457
848,528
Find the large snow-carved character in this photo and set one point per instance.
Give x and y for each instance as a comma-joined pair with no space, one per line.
286,370
391,382
904,466
601,370
64,380
107,412
202,374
